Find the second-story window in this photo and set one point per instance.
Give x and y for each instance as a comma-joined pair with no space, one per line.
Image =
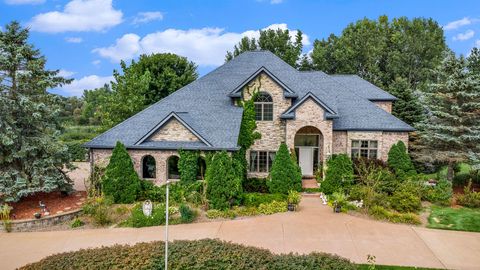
263,107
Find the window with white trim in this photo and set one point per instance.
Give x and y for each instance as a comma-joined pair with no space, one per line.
364,148
263,107
261,161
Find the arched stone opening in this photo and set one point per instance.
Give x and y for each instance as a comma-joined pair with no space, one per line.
308,143
172,168
201,168
149,167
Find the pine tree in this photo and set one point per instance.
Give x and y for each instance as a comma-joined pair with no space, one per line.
400,161
284,175
339,174
224,184
120,181
30,158
452,130
407,107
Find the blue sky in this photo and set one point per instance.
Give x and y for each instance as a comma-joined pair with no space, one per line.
85,39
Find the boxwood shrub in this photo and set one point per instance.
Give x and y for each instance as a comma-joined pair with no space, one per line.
200,254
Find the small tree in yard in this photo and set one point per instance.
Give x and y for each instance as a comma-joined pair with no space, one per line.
339,174
400,161
120,181
224,182
284,175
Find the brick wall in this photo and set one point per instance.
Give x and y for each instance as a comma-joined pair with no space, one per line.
339,142
385,140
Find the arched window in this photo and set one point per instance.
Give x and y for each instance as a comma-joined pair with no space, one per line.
149,167
263,107
201,168
172,168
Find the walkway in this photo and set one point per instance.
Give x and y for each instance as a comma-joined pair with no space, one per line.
313,228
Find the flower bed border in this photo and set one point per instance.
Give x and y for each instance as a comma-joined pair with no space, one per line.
27,225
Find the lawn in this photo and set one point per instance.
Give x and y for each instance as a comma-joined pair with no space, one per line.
458,219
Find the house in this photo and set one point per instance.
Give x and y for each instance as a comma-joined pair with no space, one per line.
315,114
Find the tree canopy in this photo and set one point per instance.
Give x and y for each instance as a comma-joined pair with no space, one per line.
277,41
30,159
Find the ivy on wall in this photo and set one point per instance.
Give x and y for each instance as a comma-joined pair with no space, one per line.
187,166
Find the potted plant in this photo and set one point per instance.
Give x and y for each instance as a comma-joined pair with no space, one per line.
293,200
37,215
339,199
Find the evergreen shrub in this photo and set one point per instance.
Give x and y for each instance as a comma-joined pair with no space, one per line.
339,174
284,175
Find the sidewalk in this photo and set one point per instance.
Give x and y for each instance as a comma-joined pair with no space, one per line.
314,228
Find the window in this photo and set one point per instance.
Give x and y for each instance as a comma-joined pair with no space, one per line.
367,149
148,167
263,107
261,161
172,166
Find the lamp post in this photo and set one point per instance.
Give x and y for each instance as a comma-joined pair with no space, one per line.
166,228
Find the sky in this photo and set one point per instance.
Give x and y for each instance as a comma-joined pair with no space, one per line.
86,39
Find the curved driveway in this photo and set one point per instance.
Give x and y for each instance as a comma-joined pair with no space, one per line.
313,228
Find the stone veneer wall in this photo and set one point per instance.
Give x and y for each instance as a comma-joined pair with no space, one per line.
339,142
101,157
385,105
173,131
311,114
273,132
44,222
385,141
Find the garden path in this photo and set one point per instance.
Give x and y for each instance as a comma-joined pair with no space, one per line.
313,228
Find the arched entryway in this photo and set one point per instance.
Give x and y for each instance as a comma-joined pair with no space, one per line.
172,168
308,148
149,167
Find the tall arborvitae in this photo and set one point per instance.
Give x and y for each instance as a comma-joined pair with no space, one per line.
452,129
30,158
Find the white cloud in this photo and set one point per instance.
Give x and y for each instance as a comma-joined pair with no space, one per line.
96,63
273,2
24,2
458,23
73,39
206,46
464,36
65,73
78,16
125,48
145,17
86,83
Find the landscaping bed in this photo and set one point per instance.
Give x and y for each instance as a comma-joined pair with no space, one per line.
200,254
55,202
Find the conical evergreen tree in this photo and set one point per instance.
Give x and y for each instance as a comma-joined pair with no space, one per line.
452,129
30,158
407,107
120,181
400,161
284,175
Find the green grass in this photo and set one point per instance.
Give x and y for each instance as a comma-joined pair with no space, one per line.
392,267
464,168
458,219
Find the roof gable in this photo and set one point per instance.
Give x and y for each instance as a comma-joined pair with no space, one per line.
290,113
165,126
288,92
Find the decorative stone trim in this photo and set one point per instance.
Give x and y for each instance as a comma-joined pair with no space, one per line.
27,225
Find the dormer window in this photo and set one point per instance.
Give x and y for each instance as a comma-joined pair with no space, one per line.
263,107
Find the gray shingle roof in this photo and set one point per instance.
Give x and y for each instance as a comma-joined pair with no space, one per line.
205,106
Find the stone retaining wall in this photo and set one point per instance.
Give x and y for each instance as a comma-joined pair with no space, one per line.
44,222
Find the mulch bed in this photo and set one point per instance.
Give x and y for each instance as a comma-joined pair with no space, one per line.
55,203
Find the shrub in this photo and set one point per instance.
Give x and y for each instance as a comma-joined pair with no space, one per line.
95,182
224,184
149,191
406,198
120,181
198,254
272,208
470,198
338,198
381,213
440,194
255,199
400,161
76,151
99,210
255,185
138,219
76,223
187,215
284,175
187,166
214,213
293,197
339,174
5,217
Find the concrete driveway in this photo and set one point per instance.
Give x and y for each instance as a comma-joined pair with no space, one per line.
313,228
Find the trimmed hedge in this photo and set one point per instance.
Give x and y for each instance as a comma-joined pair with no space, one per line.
200,254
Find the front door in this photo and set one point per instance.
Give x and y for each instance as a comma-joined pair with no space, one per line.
305,160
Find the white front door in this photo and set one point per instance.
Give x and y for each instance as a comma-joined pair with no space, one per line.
305,160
